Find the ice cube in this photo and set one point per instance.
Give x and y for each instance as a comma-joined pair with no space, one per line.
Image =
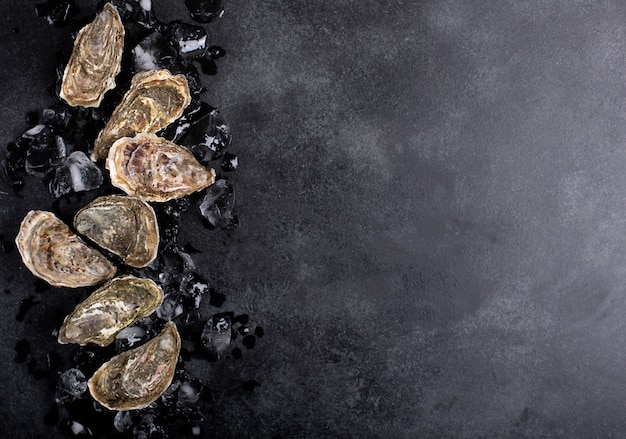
208,137
71,385
139,11
79,429
154,52
123,421
78,174
230,162
216,335
217,205
204,11
190,40
189,391
129,337
46,151
171,307
194,286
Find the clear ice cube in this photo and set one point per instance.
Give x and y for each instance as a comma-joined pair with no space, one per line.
77,174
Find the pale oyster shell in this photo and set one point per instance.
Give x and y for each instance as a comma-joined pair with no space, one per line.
114,306
52,252
95,61
155,169
136,378
126,226
155,99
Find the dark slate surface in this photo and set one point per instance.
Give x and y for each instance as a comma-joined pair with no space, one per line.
433,218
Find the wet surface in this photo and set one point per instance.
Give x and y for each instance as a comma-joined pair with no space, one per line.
431,206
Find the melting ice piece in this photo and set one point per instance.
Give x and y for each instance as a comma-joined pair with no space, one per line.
71,385
171,307
217,205
154,52
207,136
128,337
204,11
190,40
139,11
78,174
216,335
123,420
46,150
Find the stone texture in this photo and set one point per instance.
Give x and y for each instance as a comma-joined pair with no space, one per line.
432,205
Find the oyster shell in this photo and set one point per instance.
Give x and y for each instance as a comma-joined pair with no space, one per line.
95,61
155,169
52,252
126,226
117,304
155,99
136,378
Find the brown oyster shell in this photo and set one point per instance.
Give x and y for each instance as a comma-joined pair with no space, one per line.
52,252
95,61
155,169
126,226
114,306
136,378
155,99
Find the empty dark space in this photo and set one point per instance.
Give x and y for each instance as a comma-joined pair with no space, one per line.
433,219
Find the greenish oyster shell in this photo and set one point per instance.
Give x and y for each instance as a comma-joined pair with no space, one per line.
52,252
95,61
126,226
155,99
136,378
111,308
155,169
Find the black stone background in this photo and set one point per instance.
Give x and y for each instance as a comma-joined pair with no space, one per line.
433,217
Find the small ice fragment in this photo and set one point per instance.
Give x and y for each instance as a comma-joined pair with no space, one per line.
78,174
218,203
154,52
123,421
79,429
129,337
171,307
71,385
216,335
190,40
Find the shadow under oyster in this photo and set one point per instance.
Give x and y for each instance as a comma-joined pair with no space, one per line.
136,378
52,252
155,169
155,99
95,61
114,306
126,226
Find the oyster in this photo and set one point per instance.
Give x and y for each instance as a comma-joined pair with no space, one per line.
95,61
155,169
126,226
136,378
155,99
111,308
52,252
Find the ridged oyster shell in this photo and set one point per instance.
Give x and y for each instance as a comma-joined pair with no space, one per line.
95,61
155,169
126,226
117,304
155,99
52,252
136,378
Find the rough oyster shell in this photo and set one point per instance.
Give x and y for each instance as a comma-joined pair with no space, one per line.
52,252
136,378
126,226
155,169
155,99
117,304
95,61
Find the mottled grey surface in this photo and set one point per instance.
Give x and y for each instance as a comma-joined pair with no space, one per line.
433,209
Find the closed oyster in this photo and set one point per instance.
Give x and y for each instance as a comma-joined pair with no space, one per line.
136,378
52,252
126,226
95,61
155,99
155,169
117,304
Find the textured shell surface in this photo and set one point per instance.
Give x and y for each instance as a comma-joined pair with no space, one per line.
126,226
114,306
155,99
95,60
155,169
52,252
136,378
